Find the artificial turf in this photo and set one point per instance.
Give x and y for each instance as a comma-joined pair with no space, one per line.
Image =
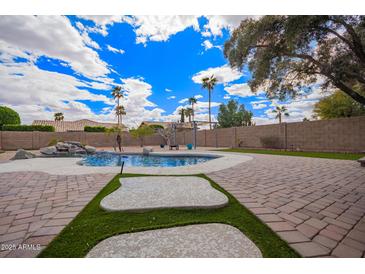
328,155
93,225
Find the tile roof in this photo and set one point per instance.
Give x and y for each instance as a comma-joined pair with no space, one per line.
64,126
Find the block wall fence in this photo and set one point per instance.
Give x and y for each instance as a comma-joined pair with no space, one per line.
342,135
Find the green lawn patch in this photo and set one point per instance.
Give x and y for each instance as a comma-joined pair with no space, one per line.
93,225
328,155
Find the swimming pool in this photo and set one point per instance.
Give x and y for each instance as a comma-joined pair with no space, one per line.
139,160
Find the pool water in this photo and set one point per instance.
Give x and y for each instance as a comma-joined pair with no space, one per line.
138,160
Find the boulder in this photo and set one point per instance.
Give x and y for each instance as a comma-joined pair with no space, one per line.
90,149
52,150
76,150
74,143
23,154
68,148
147,150
60,146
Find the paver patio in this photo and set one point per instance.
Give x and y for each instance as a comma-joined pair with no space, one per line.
316,205
36,206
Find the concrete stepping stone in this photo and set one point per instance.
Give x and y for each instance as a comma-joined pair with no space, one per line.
146,193
192,241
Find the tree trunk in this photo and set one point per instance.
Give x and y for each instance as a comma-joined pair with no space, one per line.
210,121
192,110
117,113
279,118
350,92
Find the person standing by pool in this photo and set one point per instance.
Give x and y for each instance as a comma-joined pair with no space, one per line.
119,141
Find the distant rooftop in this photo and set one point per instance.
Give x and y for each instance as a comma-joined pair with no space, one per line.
78,125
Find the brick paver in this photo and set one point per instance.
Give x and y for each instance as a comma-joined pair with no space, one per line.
316,205
36,206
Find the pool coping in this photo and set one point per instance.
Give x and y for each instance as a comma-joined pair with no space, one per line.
69,166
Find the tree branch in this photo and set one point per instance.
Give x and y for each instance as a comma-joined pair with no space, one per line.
356,41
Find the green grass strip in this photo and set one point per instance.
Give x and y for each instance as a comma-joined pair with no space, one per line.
93,225
327,155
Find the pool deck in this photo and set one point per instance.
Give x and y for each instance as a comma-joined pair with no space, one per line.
316,205
69,166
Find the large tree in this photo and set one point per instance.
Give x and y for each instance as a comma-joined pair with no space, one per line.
117,94
120,111
233,115
280,111
288,53
193,101
209,83
58,116
188,113
337,105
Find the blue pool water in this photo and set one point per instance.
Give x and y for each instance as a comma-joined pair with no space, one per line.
114,159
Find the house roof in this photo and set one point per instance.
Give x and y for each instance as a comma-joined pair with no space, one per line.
78,125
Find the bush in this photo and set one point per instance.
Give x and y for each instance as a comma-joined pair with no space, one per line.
94,129
28,128
8,117
270,142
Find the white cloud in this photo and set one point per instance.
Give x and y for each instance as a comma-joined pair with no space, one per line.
168,90
298,109
198,96
226,97
224,74
258,106
31,91
208,45
102,22
216,23
110,48
160,28
241,90
171,97
182,101
136,102
52,36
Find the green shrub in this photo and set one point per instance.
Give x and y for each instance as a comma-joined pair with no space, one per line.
94,129
28,128
8,116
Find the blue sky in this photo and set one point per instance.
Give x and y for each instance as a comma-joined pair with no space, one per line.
70,64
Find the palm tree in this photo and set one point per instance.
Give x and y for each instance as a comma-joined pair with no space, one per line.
280,110
117,94
189,113
119,112
182,115
209,84
58,116
192,101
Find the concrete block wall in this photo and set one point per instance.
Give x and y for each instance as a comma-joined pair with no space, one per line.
342,135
